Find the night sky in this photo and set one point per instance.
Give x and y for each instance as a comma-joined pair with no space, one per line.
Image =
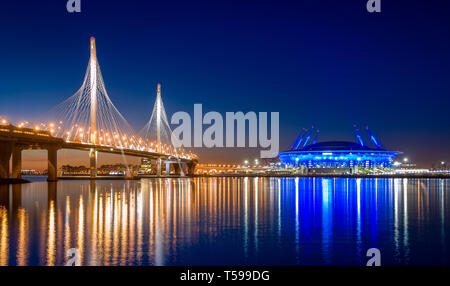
326,63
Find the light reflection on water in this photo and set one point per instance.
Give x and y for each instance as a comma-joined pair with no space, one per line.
226,221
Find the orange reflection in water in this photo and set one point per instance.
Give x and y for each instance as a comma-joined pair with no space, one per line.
4,236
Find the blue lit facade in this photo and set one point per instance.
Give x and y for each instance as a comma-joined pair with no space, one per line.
337,155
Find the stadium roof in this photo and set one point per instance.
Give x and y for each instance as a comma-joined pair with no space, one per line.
335,146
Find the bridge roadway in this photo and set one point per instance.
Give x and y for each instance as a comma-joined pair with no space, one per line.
13,140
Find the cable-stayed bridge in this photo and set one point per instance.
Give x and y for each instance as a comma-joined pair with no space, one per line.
88,120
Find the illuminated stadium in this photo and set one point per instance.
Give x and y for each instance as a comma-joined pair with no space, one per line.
336,156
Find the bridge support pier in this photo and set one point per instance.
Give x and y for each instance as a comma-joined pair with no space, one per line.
17,163
6,149
52,154
158,167
129,174
183,171
191,168
176,168
93,163
167,168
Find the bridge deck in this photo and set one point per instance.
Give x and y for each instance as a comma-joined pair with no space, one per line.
28,138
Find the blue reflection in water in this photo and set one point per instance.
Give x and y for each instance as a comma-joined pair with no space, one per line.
226,221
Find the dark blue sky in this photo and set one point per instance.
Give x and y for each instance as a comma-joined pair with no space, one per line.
325,63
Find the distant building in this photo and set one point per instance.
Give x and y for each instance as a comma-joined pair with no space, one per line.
216,169
146,166
74,170
441,165
117,169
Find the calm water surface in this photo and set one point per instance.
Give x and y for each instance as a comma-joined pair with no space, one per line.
226,221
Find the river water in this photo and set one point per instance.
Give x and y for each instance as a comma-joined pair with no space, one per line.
226,221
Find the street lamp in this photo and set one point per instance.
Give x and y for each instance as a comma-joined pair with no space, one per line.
246,162
256,161
405,160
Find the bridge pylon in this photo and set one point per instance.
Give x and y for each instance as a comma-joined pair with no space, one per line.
158,128
93,92
93,114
